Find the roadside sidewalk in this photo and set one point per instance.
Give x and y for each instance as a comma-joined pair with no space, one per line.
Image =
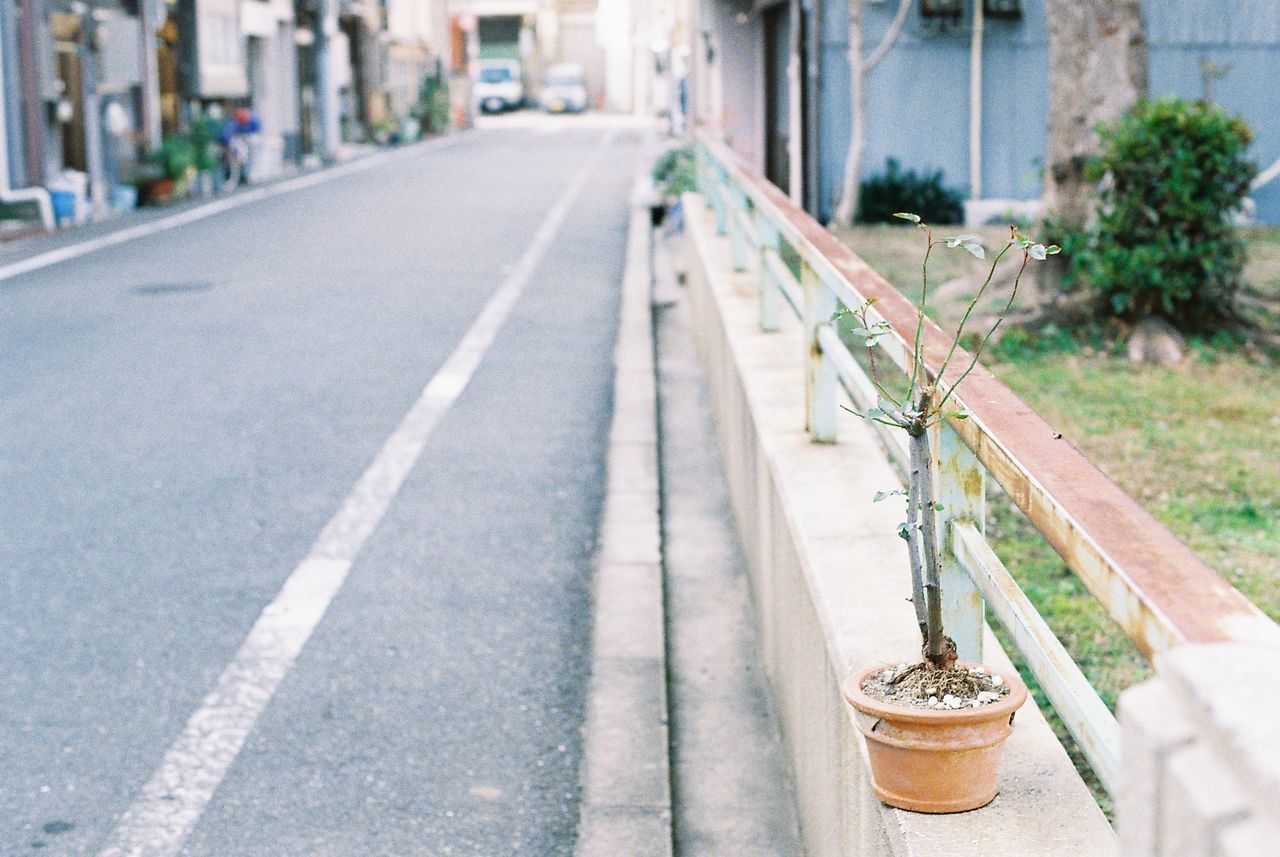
682,750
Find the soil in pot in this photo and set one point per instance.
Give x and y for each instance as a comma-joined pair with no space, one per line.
919,686
934,737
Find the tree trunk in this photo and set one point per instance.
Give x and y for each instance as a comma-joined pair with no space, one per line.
859,66
1097,70
847,208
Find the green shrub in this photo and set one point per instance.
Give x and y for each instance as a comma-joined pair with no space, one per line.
923,193
676,172
432,109
1164,242
204,142
176,156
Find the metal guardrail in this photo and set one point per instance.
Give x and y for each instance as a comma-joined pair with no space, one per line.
1149,582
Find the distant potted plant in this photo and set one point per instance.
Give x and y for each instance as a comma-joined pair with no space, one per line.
154,187
432,109
208,161
935,728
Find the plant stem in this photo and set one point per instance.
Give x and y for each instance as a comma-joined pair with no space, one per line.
913,546
936,650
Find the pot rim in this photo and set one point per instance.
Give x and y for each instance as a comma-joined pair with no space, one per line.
1001,708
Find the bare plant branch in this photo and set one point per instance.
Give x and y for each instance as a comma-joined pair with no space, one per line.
983,344
890,36
924,296
942,370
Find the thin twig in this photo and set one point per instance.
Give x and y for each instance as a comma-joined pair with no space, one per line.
924,294
983,344
942,370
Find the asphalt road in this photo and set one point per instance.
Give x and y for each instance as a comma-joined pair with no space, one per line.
180,417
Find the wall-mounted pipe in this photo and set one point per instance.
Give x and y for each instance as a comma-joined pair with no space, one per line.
975,100
38,195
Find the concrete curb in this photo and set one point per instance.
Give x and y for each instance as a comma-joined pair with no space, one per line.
626,784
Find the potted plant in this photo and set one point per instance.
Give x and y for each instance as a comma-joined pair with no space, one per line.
207,154
934,728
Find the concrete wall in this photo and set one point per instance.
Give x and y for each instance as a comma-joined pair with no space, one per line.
830,580
733,97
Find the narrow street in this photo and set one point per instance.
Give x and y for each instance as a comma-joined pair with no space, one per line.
193,418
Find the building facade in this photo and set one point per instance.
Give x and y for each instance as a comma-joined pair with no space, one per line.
774,78
93,90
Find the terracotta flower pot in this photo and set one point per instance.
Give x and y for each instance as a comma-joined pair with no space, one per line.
930,760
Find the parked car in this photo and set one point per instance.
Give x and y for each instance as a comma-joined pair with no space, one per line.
564,89
498,86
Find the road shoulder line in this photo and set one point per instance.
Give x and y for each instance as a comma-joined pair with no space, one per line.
626,783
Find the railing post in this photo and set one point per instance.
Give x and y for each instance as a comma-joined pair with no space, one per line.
770,299
721,198
739,240
961,490
820,380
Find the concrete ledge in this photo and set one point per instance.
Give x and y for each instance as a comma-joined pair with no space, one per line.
626,779
830,579
1202,755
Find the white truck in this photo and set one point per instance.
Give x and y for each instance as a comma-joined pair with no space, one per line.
498,86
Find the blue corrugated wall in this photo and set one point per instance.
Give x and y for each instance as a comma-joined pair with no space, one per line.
918,97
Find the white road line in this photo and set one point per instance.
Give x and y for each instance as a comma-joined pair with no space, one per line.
182,218
171,803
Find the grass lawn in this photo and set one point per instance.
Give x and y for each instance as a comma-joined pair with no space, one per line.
1198,444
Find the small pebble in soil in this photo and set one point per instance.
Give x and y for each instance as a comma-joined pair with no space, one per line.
933,700
997,680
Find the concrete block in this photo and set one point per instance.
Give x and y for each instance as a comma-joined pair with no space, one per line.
633,466
1227,685
1199,798
630,531
1250,838
1154,727
628,611
627,745
613,831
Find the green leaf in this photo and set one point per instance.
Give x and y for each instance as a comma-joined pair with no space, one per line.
975,249
906,215
938,507
1053,249
1038,251
874,413
904,532
956,415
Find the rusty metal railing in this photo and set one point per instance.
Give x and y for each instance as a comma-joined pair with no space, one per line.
1158,591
